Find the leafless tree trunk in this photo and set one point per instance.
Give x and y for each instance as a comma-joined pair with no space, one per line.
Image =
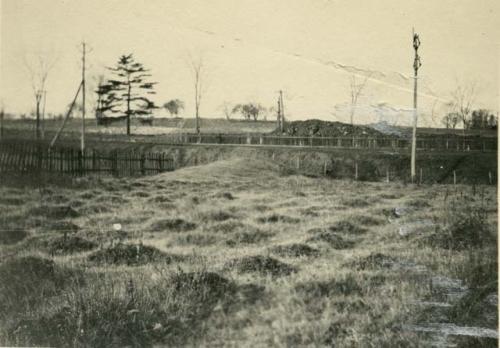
198,70
463,98
38,69
356,90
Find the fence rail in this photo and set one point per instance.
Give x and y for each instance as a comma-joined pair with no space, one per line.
426,144
29,158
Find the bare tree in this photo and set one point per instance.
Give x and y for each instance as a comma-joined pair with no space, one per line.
356,90
463,98
198,70
38,69
226,109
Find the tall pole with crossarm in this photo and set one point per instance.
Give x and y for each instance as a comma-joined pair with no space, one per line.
416,64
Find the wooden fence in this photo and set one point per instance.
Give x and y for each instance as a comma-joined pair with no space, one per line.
451,144
32,158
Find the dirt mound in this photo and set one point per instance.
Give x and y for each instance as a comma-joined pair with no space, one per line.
373,261
274,218
196,239
319,128
68,245
347,227
356,202
12,236
295,250
27,282
367,220
249,237
55,211
62,226
225,195
262,264
132,255
227,226
12,201
175,225
160,199
206,286
333,239
346,286
218,215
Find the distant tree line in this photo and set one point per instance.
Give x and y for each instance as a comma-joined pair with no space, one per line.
478,119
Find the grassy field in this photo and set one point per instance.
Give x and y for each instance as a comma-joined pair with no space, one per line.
236,253
160,126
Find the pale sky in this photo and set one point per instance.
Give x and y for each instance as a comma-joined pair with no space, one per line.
252,49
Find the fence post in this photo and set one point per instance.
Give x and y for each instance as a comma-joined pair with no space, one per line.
454,177
142,163
160,162
387,175
80,166
490,177
420,176
298,162
355,170
324,168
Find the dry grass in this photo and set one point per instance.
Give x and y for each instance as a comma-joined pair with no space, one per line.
228,253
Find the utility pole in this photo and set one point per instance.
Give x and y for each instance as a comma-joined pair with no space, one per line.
416,64
1,123
83,97
282,109
278,119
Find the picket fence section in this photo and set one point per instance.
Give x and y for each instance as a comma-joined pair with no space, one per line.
32,158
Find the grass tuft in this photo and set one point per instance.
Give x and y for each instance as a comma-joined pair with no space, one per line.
262,264
131,255
295,250
174,225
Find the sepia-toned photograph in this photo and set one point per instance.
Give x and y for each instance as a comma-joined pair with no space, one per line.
249,173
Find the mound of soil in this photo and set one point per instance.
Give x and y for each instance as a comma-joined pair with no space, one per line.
319,128
262,264
27,282
12,236
70,245
356,202
11,201
175,225
196,239
334,287
132,255
206,286
160,199
367,220
218,216
55,211
274,218
347,227
225,195
333,239
373,261
295,250
248,237
227,226
62,226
